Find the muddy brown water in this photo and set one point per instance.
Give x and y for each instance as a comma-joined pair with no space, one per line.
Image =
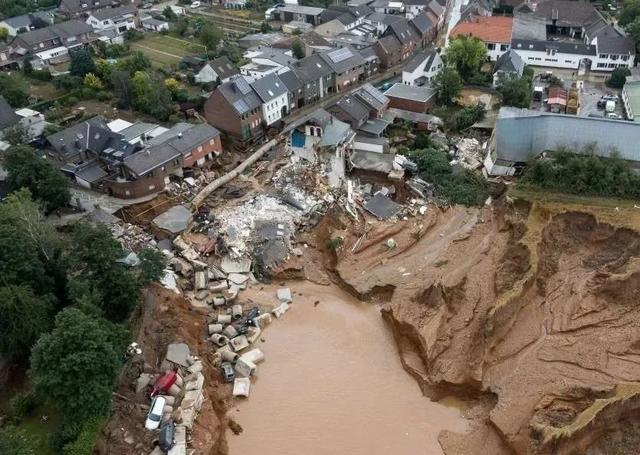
332,383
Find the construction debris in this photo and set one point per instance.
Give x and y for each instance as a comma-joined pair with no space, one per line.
174,220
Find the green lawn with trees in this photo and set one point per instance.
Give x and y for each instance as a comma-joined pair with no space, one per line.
64,305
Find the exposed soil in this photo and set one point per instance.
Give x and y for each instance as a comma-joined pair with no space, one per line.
527,312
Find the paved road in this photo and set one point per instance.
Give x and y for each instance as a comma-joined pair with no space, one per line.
454,17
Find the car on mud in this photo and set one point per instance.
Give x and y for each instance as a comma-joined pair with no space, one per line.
155,413
166,440
227,372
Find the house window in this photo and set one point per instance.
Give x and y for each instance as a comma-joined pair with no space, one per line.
199,148
612,65
504,47
614,57
604,55
602,65
212,141
625,58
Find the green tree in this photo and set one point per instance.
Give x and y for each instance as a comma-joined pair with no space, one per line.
137,62
297,48
516,92
630,11
210,36
633,30
169,14
466,54
81,63
14,441
181,26
152,265
16,135
152,96
122,88
265,27
86,440
76,365
4,34
466,117
618,77
14,89
447,85
28,169
93,82
24,316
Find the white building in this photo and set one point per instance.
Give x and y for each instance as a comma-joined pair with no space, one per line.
422,68
154,25
274,96
120,19
219,70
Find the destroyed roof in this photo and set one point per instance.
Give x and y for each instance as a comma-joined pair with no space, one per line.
334,131
240,95
372,161
269,87
342,59
290,80
112,13
223,67
174,220
382,207
8,117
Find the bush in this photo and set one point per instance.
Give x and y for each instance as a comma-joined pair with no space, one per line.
64,434
86,440
41,75
335,243
466,117
618,78
23,404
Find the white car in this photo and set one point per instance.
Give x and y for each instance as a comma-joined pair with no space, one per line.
155,413
195,5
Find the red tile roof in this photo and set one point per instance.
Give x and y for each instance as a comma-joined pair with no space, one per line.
490,29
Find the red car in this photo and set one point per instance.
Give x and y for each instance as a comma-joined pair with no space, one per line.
164,383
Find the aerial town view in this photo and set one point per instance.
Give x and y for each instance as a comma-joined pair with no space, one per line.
319,227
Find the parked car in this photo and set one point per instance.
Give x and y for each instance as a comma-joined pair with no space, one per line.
166,440
155,413
613,115
164,383
227,372
602,103
195,5
610,97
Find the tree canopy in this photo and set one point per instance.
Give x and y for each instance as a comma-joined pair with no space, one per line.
27,169
447,85
81,63
14,89
516,92
630,11
466,54
15,442
618,77
76,365
297,48
210,36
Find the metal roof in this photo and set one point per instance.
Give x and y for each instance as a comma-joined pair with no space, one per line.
410,92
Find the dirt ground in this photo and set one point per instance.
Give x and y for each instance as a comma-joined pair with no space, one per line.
524,310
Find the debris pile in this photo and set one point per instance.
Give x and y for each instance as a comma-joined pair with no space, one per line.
132,237
469,153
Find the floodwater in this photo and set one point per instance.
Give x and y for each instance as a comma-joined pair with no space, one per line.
332,383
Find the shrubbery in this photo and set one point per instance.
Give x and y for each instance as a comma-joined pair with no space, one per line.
584,173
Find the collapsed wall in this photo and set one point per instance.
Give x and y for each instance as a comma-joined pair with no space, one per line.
529,313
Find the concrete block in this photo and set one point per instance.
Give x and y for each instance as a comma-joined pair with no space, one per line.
238,278
169,400
219,339
252,334
230,332
143,381
196,367
174,390
236,312
178,353
263,320
229,356
255,356
239,343
219,301
284,295
244,368
192,398
197,384
280,310
200,280
231,294
224,319
241,387
215,328
218,286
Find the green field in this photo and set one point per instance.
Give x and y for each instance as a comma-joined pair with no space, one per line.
166,50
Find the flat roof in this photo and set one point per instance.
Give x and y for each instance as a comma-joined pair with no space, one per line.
309,10
410,92
632,89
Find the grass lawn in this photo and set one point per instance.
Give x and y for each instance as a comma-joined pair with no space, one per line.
166,50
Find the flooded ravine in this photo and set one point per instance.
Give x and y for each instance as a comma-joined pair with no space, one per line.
332,383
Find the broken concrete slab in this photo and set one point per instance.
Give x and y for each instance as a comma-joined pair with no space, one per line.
165,245
382,207
252,334
239,343
238,278
215,328
178,353
284,295
229,265
192,399
219,339
230,332
143,381
280,310
244,368
196,384
241,387
263,320
196,367
255,356
236,312
174,220
200,280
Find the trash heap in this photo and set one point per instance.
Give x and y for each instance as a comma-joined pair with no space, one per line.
181,384
132,237
469,153
188,187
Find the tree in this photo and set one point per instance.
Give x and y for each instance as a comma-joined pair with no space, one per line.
67,82
181,26
93,82
630,11
618,77
81,63
27,169
152,265
16,135
516,92
169,14
137,62
447,85
466,54
210,36
76,365
172,84
555,81
14,441
14,89
297,48
633,30
24,316
265,27
466,117
150,95
4,33
122,88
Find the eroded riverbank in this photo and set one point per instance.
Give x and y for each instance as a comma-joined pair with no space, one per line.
333,383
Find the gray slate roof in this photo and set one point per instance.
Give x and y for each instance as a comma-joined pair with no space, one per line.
223,67
352,107
146,160
522,134
269,87
311,68
382,18
291,80
371,96
62,31
93,135
410,92
342,59
566,12
8,117
422,23
240,95
510,62
404,32
112,13
610,41
418,59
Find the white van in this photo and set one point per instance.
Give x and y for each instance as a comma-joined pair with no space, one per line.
195,5
155,413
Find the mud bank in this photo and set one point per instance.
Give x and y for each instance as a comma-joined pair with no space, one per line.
527,312
333,383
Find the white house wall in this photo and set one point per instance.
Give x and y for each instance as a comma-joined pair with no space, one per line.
272,111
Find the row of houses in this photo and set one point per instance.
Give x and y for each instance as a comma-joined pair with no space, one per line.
554,33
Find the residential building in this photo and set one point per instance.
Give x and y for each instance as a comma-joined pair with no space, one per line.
313,43
410,98
316,76
631,100
218,70
415,7
422,68
274,96
27,22
351,110
234,108
376,102
372,62
388,6
293,83
493,31
555,54
82,8
58,37
521,135
406,35
265,60
119,19
389,49
151,24
294,27
477,8
347,65
288,13
509,66
382,21
7,62
197,144
358,42
425,29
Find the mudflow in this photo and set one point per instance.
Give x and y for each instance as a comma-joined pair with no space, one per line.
528,312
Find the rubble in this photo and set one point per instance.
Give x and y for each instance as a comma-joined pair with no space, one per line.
241,387
284,295
174,220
